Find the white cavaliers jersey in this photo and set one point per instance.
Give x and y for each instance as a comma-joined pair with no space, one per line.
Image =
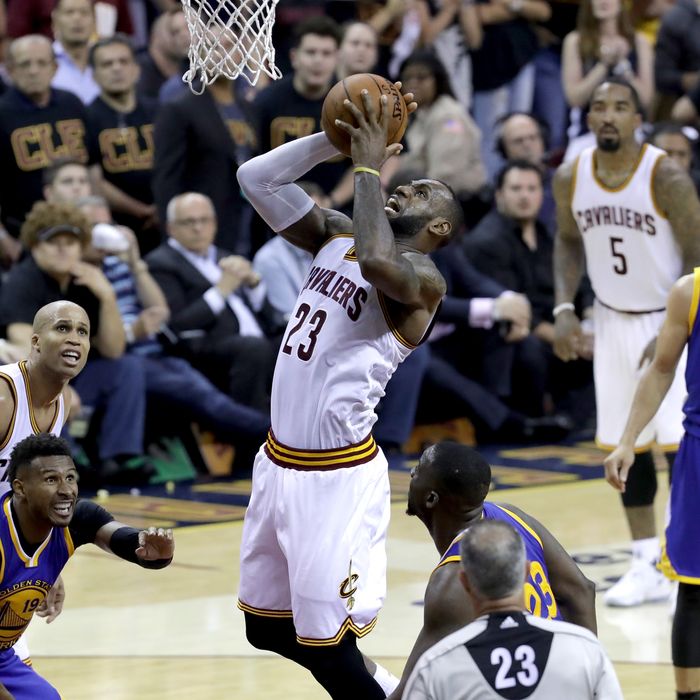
515,656
631,254
338,353
23,423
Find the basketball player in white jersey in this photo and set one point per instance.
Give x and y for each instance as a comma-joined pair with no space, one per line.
35,398
633,215
313,561
506,652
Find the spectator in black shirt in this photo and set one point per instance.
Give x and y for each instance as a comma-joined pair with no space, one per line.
113,384
677,59
522,136
200,140
167,50
120,139
512,246
38,125
503,71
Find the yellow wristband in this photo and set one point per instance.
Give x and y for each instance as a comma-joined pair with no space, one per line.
362,169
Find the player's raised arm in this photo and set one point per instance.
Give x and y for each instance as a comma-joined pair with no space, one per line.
406,276
268,182
677,198
569,261
656,380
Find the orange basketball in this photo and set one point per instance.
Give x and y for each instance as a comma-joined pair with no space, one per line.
350,89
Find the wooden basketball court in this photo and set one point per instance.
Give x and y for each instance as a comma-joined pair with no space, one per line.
127,633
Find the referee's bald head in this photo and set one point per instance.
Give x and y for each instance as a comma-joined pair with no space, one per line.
493,560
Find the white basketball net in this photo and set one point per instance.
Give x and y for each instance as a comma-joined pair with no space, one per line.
231,38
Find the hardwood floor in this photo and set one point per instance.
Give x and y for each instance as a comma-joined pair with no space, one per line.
165,635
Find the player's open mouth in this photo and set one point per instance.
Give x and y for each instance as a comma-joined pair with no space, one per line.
72,357
392,206
63,508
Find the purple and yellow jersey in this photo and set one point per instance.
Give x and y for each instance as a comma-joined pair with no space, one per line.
539,598
25,580
692,368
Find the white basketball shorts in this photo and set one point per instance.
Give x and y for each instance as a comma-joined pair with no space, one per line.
313,544
620,339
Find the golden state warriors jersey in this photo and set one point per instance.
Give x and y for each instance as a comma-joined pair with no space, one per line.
338,353
26,579
539,598
23,422
631,254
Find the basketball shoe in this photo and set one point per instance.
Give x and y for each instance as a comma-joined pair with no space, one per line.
643,583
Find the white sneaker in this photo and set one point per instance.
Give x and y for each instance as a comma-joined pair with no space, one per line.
643,583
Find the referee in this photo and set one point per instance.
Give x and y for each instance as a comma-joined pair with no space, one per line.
506,652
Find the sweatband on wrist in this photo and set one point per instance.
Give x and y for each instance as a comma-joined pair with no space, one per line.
565,306
363,169
125,541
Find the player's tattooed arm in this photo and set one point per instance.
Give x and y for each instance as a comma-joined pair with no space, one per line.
569,261
446,609
676,197
569,256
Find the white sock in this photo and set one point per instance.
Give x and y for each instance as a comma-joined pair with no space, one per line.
647,549
388,681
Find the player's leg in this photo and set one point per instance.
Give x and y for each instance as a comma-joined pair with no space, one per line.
279,635
619,339
681,562
334,541
22,681
263,591
685,642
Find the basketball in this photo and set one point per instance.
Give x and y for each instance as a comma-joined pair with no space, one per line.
351,89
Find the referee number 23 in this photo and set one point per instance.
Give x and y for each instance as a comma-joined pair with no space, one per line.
538,592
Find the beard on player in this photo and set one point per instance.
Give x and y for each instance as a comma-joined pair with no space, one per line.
407,226
608,139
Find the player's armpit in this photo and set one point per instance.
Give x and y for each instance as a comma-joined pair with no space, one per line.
446,609
574,593
315,228
676,197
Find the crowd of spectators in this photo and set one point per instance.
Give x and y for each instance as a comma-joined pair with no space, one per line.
108,157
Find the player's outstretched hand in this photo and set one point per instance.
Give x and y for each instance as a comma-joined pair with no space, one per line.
617,466
568,336
52,606
155,543
5,694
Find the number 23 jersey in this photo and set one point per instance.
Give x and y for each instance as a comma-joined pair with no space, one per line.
631,254
338,352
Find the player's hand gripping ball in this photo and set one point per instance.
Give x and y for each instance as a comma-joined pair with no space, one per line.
351,89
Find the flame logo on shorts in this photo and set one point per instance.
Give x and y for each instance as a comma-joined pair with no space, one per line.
348,587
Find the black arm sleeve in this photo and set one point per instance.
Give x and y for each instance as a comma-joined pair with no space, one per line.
124,543
87,520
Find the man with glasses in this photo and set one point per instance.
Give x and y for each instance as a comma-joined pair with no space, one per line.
221,318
